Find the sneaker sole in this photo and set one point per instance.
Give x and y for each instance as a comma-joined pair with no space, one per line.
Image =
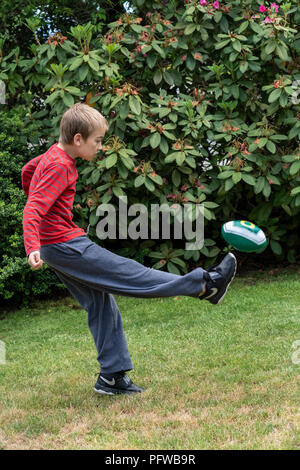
232,277
117,392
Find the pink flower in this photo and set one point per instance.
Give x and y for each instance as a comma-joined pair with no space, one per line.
203,2
275,6
216,5
266,20
262,8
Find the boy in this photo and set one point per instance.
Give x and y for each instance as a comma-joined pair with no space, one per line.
91,273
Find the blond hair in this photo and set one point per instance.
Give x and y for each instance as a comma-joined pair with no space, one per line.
80,119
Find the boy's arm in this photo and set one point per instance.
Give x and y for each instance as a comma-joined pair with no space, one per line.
27,173
43,195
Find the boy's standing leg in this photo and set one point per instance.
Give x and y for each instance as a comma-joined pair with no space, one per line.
105,324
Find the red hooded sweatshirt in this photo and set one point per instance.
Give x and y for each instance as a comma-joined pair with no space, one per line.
49,182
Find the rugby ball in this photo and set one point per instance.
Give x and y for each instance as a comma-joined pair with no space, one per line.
244,236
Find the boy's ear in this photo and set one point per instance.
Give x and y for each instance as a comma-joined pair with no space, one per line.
77,139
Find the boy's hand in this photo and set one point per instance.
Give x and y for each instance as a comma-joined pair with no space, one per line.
34,260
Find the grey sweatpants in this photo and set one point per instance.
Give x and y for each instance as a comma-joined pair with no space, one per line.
93,274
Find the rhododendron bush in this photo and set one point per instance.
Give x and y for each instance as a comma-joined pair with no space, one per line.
203,103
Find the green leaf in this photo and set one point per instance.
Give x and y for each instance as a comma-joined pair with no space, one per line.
210,204
76,63
180,262
168,78
267,189
53,96
124,110
287,209
127,162
93,218
157,179
282,53
111,160
155,140
176,178
278,137
271,146
180,157
172,268
295,167
236,177
244,66
274,95
224,175
149,185
95,176
255,27
191,162
134,104
228,184
243,26
276,247
103,187
189,29
171,157
164,147
259,184
151,60
169,135
136,27
82,72
118,191
157,77
270,47
249,179
190,11
164,112
93,64
218,16
237,45
74,90
190,62
158,49
106,198
139,180
295,191
221,44
68,99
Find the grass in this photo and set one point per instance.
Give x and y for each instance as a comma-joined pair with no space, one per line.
216,378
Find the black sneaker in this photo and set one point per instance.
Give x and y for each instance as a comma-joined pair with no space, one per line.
116,385
218,279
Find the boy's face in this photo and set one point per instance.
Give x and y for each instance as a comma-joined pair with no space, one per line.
88,149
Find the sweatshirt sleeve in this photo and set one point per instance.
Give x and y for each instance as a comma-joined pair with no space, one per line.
27,173
49,186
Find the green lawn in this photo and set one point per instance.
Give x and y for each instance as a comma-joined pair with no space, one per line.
216,377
